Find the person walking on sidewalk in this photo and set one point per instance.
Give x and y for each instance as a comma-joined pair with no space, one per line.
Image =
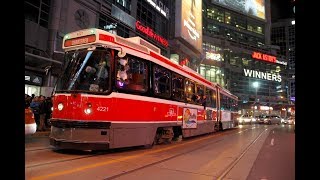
42,113
35,106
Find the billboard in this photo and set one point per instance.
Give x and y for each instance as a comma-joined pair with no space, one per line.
189,22
251,7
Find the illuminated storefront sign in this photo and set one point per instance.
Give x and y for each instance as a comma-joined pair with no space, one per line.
159,6
213,56
266,57
262,75
188,22
149,32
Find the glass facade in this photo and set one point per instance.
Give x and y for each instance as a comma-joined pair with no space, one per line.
230,39
234,26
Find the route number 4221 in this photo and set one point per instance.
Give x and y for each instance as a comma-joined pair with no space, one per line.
101,108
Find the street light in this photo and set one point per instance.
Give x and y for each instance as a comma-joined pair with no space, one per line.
256,86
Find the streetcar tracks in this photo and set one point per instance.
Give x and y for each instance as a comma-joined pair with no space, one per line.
124,159
172,157
60,161
235,162
163,160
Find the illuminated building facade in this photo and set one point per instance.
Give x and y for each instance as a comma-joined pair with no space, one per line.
237,51
227,42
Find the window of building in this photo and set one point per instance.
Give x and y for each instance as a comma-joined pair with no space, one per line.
227,18
148,16
211,28
255,27
213,74
215,14
124,5
37,11
106,20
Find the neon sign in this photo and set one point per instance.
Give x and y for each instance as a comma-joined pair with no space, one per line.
262,75
264,57
268,58
149,32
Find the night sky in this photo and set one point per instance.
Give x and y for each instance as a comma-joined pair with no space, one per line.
281,9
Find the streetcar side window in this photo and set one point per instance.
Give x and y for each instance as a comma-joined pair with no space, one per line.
209,97
224,102
178,87
190,91
200,94
234,105
161,81
132,74
214,99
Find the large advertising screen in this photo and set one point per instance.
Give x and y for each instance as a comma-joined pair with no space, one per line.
189,22
251,7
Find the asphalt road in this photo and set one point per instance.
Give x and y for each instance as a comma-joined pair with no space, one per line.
247,152
276,160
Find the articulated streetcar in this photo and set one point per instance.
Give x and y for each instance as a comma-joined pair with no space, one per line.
119,92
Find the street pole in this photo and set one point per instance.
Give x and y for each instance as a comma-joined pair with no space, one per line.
255,103
256,86
269,101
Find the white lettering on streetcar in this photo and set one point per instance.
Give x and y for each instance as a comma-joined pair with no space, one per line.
100,108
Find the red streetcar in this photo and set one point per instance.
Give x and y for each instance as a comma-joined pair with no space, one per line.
120,92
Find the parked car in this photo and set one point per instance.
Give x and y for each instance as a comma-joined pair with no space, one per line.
246,119
272,119
260,118
289,120
30,124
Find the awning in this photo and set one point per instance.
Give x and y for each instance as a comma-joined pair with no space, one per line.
43,58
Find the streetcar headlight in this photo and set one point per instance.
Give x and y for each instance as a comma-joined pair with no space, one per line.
60,106
88,110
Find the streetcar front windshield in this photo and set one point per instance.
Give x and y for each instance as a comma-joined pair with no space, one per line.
86,71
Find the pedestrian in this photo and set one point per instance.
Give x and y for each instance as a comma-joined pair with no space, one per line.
48,111
42,113
35,106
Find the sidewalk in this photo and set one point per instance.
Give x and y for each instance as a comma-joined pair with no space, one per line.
41,133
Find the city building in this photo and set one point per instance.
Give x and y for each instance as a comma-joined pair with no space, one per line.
47,21
237,53
228,42
283,35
